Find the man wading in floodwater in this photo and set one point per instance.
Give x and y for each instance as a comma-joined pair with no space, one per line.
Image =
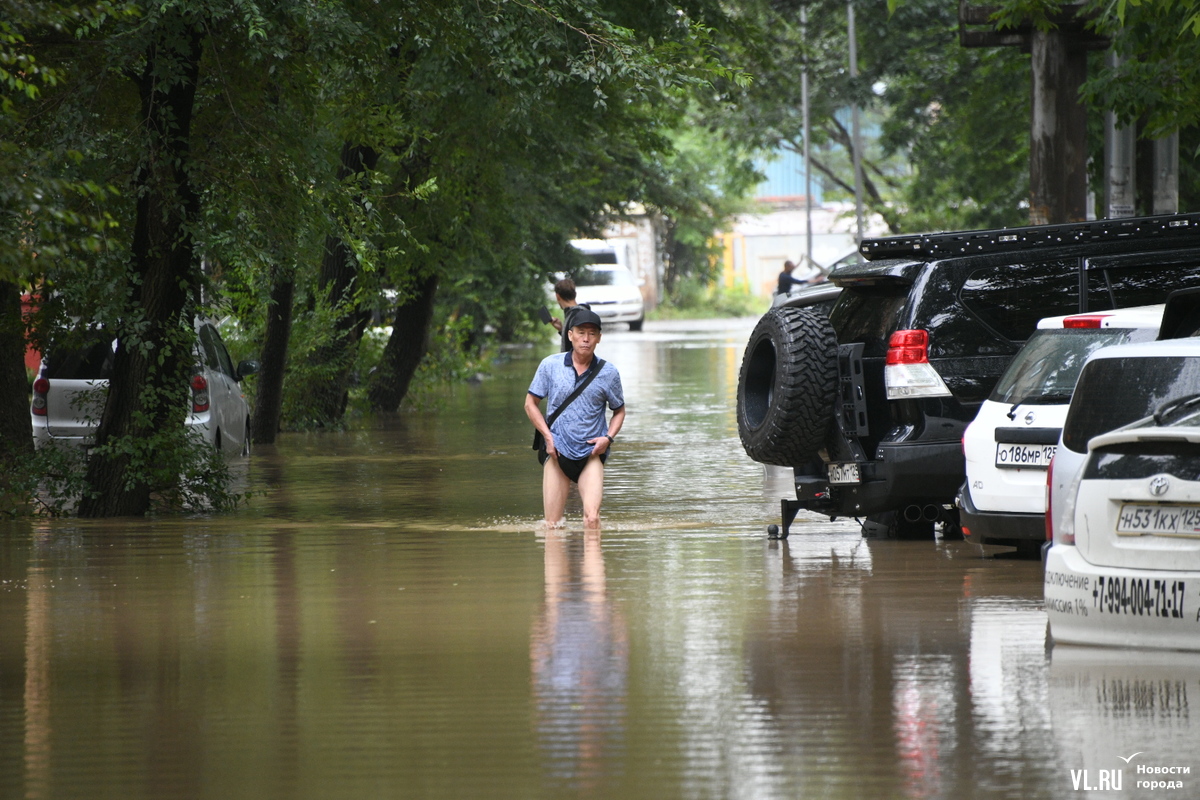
578,436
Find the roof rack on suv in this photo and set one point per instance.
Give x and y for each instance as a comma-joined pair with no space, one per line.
929,245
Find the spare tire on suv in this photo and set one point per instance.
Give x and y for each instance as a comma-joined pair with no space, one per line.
787,386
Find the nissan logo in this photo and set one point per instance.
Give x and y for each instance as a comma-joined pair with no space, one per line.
1159,485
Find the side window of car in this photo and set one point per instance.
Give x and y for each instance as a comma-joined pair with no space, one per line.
215,354
207,351
223,355
1139,284
1011,298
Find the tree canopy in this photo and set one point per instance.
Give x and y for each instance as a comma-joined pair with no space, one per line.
322,172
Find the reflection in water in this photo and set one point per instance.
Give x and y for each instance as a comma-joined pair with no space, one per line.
579,652
1007,685
925,721
1108,703
287,645
37,683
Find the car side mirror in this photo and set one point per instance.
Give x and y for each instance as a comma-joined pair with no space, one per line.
248,367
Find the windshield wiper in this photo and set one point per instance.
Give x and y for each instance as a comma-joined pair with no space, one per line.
1171,407
1038,400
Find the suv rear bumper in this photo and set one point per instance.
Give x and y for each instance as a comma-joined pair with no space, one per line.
903,474
982,527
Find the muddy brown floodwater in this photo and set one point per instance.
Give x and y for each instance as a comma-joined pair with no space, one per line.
385,620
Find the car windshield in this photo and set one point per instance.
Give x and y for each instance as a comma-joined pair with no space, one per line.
1048,365
71,359
600,257
1114,392
604,277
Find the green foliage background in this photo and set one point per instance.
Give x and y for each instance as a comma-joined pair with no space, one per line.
498,132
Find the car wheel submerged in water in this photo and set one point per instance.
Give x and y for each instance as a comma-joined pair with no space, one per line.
787,386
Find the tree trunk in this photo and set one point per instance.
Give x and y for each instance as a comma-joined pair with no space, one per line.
151,366
16,432
1058,130
671,273
268,403
339,273
405,348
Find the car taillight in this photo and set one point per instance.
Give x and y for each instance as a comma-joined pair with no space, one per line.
907,371
908,347
1085,320
199,394
41,387
1061,531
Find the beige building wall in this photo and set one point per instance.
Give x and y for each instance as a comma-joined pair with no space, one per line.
754,249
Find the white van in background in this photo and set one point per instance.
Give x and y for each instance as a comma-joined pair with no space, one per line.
607,286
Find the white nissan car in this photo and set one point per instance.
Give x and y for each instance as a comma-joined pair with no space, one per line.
1124,565
69,391
1015,434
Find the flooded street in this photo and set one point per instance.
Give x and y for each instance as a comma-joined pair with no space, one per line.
384,619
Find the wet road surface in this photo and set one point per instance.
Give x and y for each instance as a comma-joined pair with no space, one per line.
386,620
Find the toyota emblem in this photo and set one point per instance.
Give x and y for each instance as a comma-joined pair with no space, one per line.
1159,485
1029,418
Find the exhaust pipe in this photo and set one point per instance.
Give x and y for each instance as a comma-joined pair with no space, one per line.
912,513
931,512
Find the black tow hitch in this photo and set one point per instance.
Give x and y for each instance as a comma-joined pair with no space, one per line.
817,497
787,511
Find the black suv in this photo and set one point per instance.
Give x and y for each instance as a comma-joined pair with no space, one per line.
866,397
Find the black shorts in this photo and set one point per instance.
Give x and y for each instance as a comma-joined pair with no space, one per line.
571,467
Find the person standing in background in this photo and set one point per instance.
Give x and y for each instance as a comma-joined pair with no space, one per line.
564,293
786,281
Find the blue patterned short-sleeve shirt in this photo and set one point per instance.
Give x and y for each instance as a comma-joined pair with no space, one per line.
585,418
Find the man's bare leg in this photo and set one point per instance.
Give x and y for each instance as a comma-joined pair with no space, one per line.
554,493
591,491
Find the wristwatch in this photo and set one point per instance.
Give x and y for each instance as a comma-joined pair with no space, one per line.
610,439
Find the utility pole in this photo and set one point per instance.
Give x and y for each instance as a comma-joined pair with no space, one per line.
1119,162
808,247
855,138
1058,120
1166,175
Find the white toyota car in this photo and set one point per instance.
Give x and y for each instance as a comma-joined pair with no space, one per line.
1124,565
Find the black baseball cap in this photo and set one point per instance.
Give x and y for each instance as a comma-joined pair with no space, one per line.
585,316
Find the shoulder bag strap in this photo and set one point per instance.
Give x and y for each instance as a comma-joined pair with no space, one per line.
578,390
